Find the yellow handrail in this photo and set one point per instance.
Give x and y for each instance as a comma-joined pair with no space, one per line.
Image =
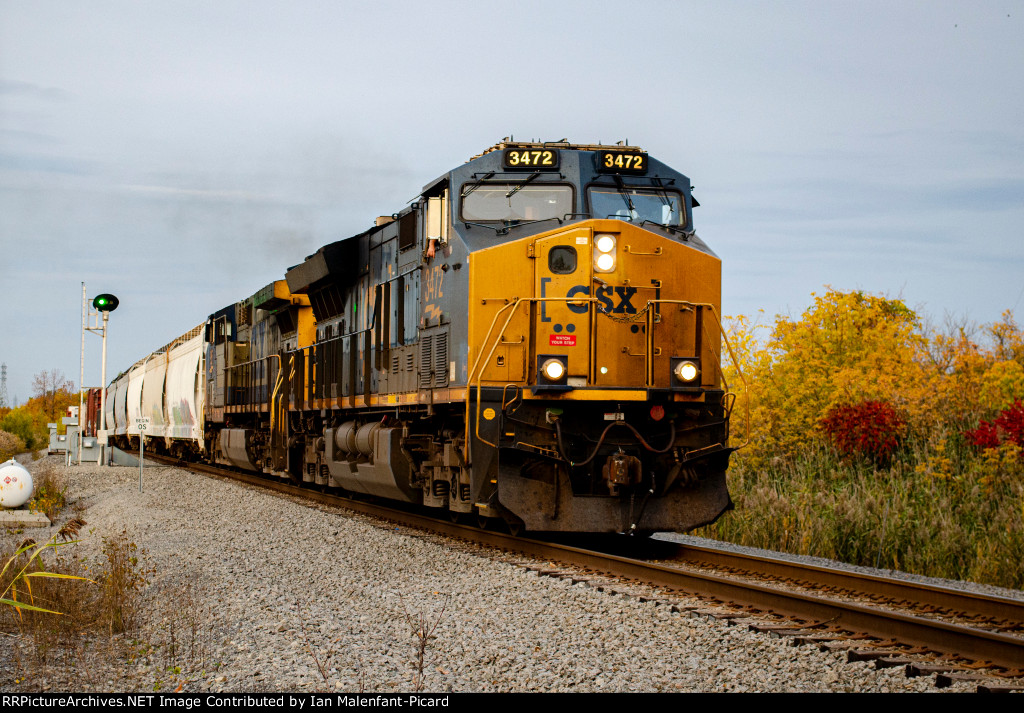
280,380
732,355
514,305
477,371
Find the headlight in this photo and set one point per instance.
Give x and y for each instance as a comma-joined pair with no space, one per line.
553,370
686,371
604,255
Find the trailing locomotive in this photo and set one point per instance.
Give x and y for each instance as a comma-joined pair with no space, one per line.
534,339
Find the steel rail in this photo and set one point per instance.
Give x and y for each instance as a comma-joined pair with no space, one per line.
954,640
877,586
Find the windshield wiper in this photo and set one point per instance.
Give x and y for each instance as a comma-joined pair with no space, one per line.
687,234
662,193
518,224
519,186
625,196
477,185
495,228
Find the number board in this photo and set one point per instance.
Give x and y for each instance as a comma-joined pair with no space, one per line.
529,159
621,162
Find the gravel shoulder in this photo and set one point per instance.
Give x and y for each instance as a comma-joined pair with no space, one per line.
251,592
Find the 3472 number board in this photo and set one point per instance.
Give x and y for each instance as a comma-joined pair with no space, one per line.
621,162
530,159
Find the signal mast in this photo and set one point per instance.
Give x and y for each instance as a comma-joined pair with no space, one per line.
103,305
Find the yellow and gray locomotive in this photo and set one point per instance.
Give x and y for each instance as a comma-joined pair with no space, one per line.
535,339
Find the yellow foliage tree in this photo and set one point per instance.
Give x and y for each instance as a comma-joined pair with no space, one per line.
852,347
847,347
1001,384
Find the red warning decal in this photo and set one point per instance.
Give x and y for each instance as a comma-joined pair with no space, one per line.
562,340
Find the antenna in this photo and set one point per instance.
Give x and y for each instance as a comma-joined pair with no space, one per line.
3,385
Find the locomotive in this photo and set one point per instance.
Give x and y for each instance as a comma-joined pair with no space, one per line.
535,339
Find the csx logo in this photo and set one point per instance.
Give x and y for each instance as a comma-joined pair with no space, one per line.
617,300
612,299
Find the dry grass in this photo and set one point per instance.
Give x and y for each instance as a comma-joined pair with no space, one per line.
108,628
174,645
49,491
79,598
422,627
10,445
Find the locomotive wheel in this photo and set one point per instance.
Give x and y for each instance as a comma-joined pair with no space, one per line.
483,522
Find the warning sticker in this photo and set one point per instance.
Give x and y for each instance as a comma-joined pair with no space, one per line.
562,340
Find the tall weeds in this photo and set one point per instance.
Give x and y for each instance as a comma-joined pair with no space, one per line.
59,602
968,526
49,492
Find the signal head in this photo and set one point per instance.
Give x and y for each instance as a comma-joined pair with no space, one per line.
105,303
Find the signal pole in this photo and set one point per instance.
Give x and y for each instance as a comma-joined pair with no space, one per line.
81,376
104,304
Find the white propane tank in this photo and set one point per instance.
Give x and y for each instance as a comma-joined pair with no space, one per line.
15,484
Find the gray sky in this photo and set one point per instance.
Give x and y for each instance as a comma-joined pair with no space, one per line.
183,154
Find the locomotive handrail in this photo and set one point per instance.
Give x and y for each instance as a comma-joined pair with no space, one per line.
253,361
248,363
477,371
728,346
513,306
344,336
273,396
517,394
657,251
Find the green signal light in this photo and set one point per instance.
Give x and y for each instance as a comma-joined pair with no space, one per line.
105,303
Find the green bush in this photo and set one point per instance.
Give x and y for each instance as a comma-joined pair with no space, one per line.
20,423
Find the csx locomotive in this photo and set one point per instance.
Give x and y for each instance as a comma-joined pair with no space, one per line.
535,339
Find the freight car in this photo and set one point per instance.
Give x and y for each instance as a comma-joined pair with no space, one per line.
535,339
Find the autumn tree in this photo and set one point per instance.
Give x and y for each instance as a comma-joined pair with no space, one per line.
847,348
853,355
53,393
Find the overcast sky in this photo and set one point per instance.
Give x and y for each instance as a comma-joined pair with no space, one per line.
182,154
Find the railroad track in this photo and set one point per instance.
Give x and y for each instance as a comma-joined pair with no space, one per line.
952,634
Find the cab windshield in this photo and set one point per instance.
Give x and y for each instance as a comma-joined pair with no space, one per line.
515,201
637,204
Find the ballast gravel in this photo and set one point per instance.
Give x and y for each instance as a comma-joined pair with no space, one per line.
252,592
